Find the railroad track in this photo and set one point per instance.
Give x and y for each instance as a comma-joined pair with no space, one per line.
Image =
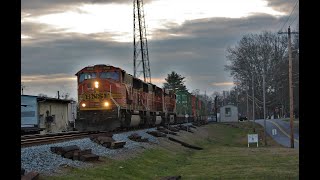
32,140
39,139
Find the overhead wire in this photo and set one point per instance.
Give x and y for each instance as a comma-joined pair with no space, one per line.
290,15
294,19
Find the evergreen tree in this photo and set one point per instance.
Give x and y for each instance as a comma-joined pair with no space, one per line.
174,82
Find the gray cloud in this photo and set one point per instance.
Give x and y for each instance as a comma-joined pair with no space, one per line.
287,7
282,5
38,7
69,54
27,5
199,53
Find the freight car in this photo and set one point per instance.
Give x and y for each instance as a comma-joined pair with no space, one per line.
184,107
190,108
199,112
109,98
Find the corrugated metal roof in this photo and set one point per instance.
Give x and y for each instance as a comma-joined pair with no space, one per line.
54,99
40,98
29,95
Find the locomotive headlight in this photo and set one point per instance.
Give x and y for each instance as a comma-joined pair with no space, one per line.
83,105
106,104
96,84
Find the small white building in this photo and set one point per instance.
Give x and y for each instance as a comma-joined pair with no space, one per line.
56,115
229,113
47,115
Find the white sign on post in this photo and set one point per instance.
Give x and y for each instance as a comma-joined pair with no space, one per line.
252,138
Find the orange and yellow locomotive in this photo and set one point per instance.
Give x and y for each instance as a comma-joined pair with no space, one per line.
110,98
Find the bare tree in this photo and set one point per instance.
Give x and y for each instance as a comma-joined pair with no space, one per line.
42,95
253,54
65,95
196,92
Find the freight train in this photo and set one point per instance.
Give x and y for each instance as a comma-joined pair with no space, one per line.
190,108
109,98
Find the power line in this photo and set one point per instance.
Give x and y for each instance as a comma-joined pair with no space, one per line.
294,19
290,14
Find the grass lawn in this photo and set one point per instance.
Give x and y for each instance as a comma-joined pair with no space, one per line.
225,156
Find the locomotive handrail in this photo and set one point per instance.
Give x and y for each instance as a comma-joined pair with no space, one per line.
127,90
145,106
115,102
129,95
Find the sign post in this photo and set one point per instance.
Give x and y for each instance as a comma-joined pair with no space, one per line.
253,138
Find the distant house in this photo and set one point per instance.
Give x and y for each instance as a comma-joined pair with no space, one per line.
229,113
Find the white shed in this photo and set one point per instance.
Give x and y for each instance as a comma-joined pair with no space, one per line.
55,115
229,113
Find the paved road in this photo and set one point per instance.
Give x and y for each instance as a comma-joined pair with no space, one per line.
282,135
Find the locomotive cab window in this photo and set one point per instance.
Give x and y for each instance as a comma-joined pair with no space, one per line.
114,75
84,76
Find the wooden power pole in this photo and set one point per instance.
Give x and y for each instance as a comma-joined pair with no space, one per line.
290,85
253,115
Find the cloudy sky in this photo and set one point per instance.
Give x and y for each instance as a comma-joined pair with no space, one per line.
190,37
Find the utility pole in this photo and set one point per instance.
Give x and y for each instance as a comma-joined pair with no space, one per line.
264,105
247,101
205,103
253,117
216,107
237,97
22,86
291,88
236,90
290,85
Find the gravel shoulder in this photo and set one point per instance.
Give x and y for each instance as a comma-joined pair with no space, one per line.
42,160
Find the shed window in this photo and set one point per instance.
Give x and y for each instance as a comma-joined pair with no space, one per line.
228,111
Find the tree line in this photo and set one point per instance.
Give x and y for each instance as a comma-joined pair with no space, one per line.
253,55
266,53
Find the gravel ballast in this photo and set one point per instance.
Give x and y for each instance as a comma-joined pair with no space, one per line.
42,160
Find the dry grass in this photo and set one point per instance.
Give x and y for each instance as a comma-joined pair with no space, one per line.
225,156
